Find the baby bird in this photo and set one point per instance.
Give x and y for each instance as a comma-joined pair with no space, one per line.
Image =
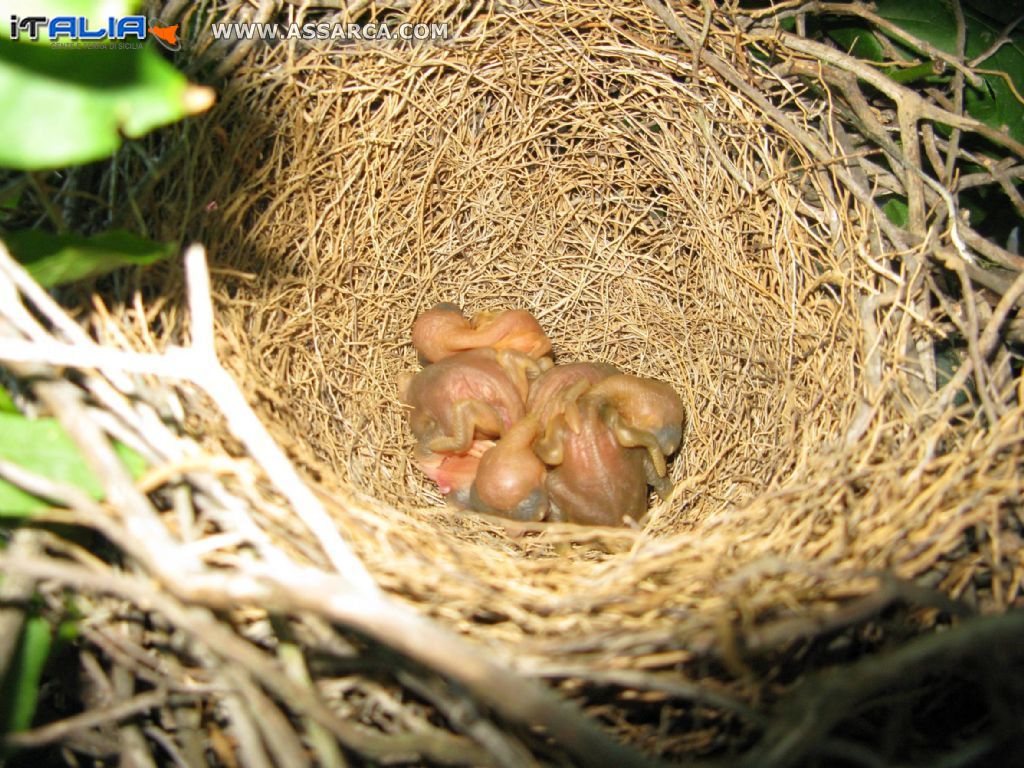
443,331
642,412
472,394
510,478
501,430
595,480
558,388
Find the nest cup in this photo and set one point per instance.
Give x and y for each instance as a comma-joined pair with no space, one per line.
569,160
522,170
579,169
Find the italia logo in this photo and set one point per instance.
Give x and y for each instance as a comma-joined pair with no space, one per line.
79,28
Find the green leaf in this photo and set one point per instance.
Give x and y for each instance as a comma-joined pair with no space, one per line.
74,105
995,104
923,71
948,360
858,42
6,403
20,691
925,19
58,259
68,631
69,628
43,447
895,209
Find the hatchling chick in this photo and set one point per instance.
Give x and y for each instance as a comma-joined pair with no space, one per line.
472,394
510,479
443,331
644,413
592,478
560,386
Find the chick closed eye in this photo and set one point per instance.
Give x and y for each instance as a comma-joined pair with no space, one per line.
642,412
437,333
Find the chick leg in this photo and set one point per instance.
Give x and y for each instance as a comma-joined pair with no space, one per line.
550,447
521,369
630,437
662,485
468,418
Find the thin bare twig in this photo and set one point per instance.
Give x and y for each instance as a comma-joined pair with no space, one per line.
986,343
817,705
517,699
63,729
201,366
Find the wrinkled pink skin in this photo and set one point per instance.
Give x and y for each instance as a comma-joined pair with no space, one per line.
595,480
510,478
643,413
604,434
476,394
559,387
453,473
444,331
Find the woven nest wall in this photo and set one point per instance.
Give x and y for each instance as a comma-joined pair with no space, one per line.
569,159
581,171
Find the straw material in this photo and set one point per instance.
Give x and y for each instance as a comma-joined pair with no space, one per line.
569,159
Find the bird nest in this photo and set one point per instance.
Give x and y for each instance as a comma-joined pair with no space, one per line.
659,199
